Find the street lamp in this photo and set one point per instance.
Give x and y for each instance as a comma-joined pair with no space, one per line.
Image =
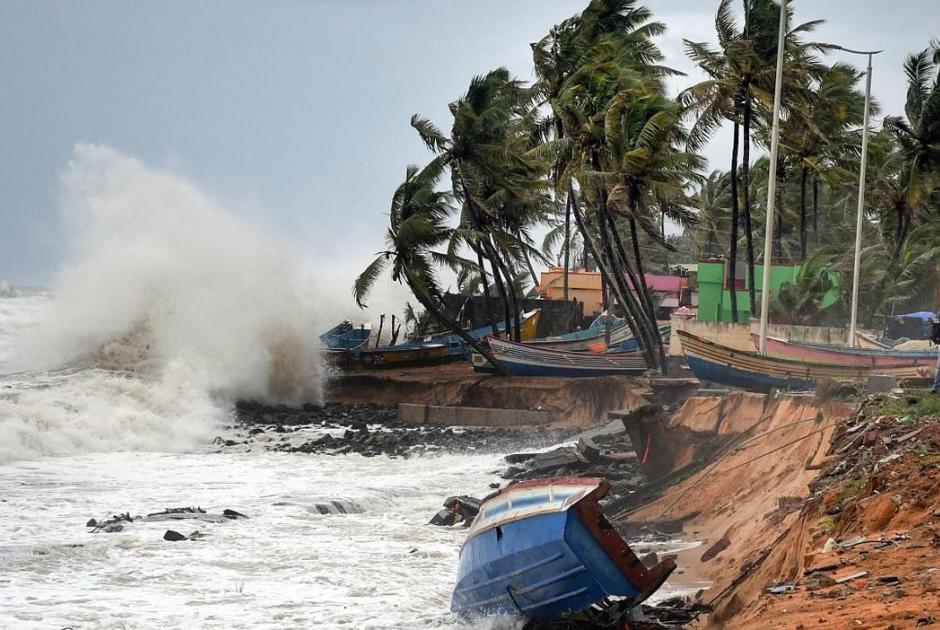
861,189
772,181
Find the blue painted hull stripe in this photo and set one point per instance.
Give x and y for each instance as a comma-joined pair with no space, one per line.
518,572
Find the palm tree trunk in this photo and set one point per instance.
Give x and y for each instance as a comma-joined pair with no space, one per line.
643,292
733,245
567,246
512,325
446,322
591,247
746,183
487,298
815,210
528,262
513,298
620,265
662,226
803,175
498,281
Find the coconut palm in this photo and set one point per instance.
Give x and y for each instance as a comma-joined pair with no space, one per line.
498,184
712,202
739,89
824,131
918,137
417,228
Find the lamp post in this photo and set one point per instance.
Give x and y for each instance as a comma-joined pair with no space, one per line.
772,181
861,190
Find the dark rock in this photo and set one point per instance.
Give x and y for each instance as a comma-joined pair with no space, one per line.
256,431
232,514
173,536
91,523
444,518
230,443
650,560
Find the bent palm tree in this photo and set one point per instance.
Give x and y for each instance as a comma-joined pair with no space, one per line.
417,225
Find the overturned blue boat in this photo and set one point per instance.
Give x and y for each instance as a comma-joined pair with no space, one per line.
543,549
346,336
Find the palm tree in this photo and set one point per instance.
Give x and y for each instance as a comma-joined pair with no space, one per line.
918,137
823,131
499,185
645,172
712,202
739,89
555,58
417,226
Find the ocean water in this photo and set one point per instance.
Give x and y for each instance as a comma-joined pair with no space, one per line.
113,386
84,443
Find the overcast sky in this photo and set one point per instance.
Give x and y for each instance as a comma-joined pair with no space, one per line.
296,112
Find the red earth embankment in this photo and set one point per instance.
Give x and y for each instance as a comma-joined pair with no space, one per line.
752,491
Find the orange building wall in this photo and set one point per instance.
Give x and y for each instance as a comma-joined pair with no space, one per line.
583,286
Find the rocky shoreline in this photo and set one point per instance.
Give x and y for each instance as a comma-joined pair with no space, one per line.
368,430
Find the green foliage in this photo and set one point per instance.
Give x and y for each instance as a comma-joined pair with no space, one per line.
597,139
913,404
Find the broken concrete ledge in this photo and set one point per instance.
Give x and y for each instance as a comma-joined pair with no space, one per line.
473,416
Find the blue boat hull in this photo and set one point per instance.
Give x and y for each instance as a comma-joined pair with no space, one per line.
541,567
715,372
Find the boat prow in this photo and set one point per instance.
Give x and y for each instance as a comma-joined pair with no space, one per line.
543,549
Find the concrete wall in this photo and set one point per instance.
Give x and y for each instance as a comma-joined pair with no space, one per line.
472,416
739,335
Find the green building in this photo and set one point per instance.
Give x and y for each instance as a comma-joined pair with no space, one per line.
714,289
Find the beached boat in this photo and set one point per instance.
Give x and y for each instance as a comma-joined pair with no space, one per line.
621,339
861,357
524,360
527,330
542,549
869,342
591,338
716,363
345,336
405,355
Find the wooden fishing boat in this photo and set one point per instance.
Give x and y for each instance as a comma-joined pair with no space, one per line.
345,336
861,357
543,549
621,340
716,363
591,338
869,342
524,360
527,330
405,355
